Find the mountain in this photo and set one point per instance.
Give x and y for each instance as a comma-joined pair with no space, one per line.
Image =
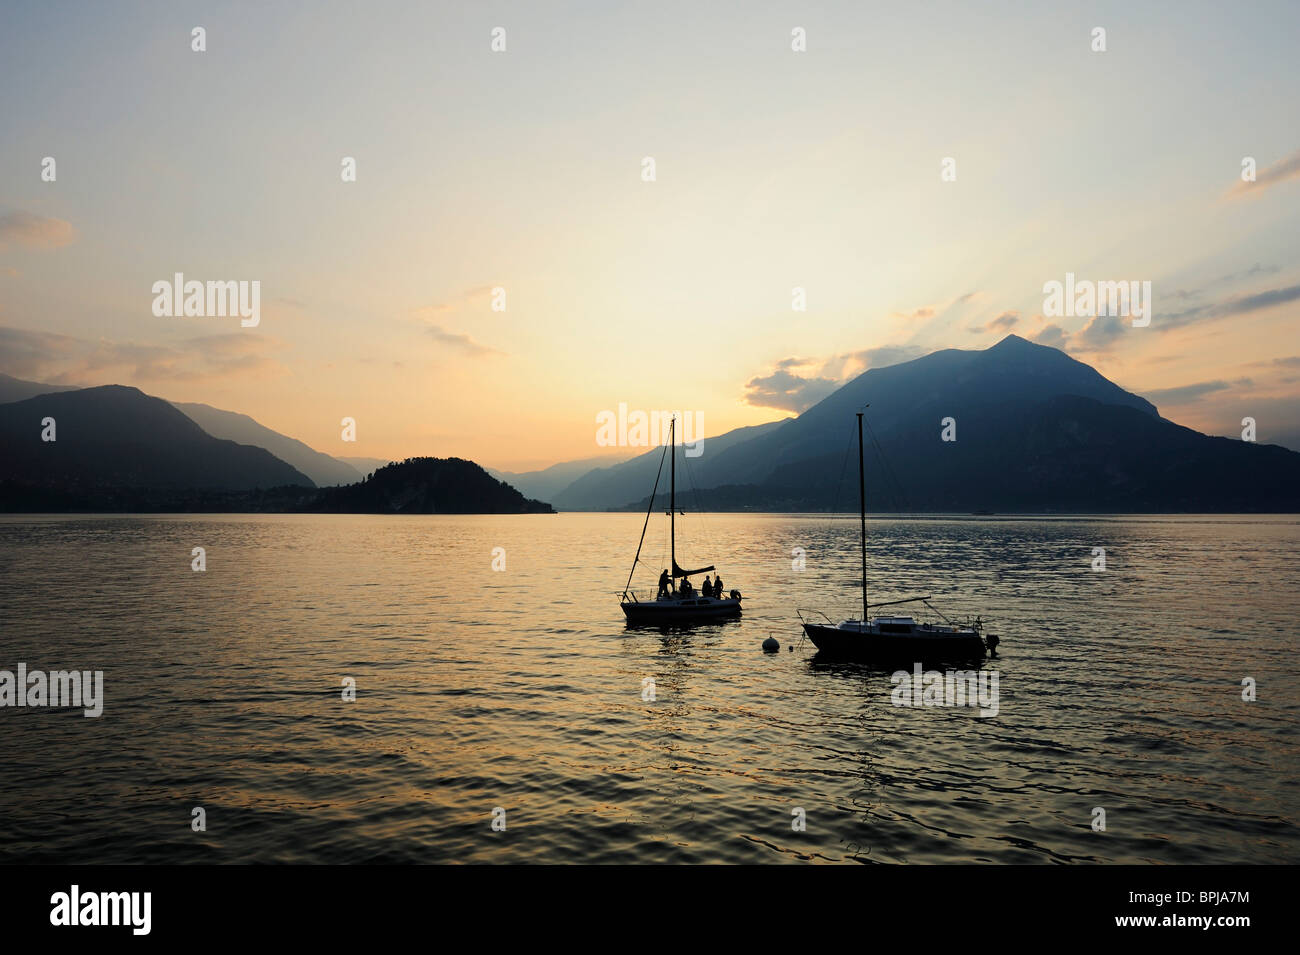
365,466
324,470
549,482
612,487
428,486
1035,430
231,426
15,389
119,437
910,399
117,449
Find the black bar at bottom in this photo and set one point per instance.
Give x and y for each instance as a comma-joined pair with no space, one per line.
642,904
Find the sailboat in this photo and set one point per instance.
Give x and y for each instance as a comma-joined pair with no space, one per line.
891,638
674,605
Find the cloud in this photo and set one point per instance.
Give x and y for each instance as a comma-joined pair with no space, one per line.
1238,305
921,313
1099,334
427,312
856,362
25,353
789,391
467,297
1280,171
460,342
1002,324
37,232
1185,394
1255,269
1188,295
1260,300
1053,336
65,360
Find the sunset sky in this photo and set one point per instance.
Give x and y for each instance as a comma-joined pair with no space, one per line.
523,170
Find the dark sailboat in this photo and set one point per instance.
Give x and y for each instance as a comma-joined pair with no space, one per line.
674,605
891,638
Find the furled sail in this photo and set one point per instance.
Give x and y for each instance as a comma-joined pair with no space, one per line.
678,572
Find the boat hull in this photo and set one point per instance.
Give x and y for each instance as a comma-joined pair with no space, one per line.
854,644
696,609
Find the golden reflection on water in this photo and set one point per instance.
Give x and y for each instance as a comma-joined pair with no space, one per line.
522,689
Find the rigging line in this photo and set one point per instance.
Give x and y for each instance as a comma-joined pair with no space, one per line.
843,465
889,470
699,507
886,488
648,509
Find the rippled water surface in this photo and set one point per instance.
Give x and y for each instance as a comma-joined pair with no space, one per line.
522,689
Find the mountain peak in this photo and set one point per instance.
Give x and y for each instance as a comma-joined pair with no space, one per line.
1010,342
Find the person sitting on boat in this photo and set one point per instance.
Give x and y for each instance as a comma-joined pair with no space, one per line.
664,582
687,590
707,589
717,588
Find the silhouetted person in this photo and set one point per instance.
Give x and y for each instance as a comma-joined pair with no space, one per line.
687,589
708,587
717,587
664,581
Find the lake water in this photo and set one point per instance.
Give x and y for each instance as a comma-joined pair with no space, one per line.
522,689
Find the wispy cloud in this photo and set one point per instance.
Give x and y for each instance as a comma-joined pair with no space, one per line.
36,232
461,342
1186,394
1254,270
1279,172
66,360
471,296
1237,305
1001,324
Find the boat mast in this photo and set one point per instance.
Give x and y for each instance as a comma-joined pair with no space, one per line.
672,492
862,502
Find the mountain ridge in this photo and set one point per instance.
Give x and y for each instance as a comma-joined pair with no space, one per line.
117,436
323,469
1015,413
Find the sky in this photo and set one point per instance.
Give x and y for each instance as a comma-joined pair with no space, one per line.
524,170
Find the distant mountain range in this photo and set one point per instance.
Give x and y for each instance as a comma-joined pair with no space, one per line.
549,482
364,466
15,389
1035,431
612,487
